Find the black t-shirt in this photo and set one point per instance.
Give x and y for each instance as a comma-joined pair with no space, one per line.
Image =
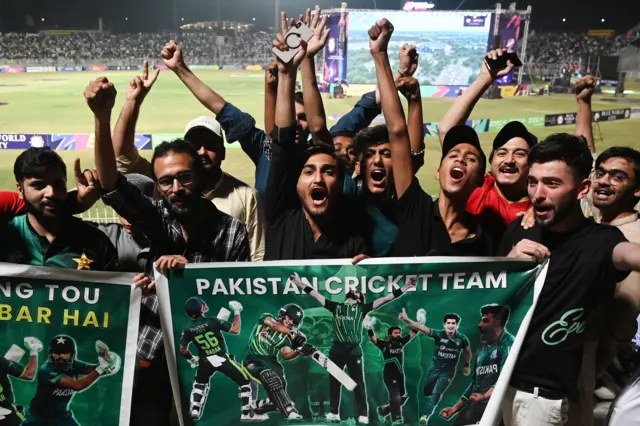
422,232
289,235
580,277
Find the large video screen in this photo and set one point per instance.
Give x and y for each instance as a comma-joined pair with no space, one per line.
451,45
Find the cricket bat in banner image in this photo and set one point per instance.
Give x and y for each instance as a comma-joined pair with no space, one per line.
334,370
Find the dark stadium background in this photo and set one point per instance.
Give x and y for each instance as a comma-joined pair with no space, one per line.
155,15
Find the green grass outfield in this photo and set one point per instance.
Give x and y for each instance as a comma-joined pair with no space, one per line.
53,103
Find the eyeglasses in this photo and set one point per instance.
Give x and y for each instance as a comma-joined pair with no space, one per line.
183,178
617,176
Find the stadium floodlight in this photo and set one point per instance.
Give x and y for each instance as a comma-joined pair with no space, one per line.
416,6
564,19
602,20
42,19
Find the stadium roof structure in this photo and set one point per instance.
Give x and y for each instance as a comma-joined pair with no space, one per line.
217,25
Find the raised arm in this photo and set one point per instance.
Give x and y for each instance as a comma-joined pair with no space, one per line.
79,384
139,87
308,289
584,90
237,125
461,109
378,303
413,324
379,36
280,193
410,88
314,107
276,326
270,94
100,95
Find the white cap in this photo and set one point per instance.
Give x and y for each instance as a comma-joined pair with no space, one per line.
206,122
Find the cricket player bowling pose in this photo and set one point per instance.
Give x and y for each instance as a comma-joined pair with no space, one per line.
10,414
61,377
393,374
273,335
489,360
449,344
346,349
205,334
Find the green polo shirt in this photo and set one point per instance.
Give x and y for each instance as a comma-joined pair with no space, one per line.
78,246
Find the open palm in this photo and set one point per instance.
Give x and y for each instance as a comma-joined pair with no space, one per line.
320,34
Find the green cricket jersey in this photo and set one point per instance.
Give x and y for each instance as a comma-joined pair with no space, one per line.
266,342
347,320
79,246
51,400
447,350
8,368
393,351
206,335
488,363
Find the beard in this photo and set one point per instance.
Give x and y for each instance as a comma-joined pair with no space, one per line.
559,214
187,208
41,216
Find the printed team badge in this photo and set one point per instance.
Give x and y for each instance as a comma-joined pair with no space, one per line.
83,262
494,354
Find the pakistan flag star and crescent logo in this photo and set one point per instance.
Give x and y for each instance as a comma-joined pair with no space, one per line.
83,262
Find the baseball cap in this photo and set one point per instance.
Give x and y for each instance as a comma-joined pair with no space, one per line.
462,133
144,183
514,129
209,123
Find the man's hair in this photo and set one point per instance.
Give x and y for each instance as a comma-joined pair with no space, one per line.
323,148
392,328
299,98
371,136
499,312
627,153
33,163
178,146
455,317
570,149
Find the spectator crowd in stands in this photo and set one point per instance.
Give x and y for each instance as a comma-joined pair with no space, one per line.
551,48
208,47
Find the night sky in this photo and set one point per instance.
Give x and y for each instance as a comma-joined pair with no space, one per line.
149,15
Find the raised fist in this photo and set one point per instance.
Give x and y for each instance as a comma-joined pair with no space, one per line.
421,316
379,35
306,350
109,364
447,413
33,345
172,55
369,322
584,88
100,95
408,60
236,307
409,87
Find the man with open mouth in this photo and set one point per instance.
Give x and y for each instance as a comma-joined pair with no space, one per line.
587,260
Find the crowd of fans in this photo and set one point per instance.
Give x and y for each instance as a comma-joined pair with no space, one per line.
208,47
242,47
562,47
352,192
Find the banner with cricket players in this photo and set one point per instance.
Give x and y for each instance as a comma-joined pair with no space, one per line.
69,344
413,341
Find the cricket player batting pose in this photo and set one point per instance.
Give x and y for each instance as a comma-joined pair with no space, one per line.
273,335
449,344
488,364
393,373
347,338
60,378
206,335
10,414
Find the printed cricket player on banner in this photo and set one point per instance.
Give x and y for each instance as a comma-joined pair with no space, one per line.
69,346
329,342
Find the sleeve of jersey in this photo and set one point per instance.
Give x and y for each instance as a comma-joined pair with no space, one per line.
263,318
223,325
467,393
608,242
11,205
434,334
11,368
84,368
330,305
380,344
185,338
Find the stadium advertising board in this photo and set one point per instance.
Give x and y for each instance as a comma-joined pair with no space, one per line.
23,140
69,344
86,141
635,112
536,122
224,319
450,48
509,35
567,119
335,52
480,126
612,115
